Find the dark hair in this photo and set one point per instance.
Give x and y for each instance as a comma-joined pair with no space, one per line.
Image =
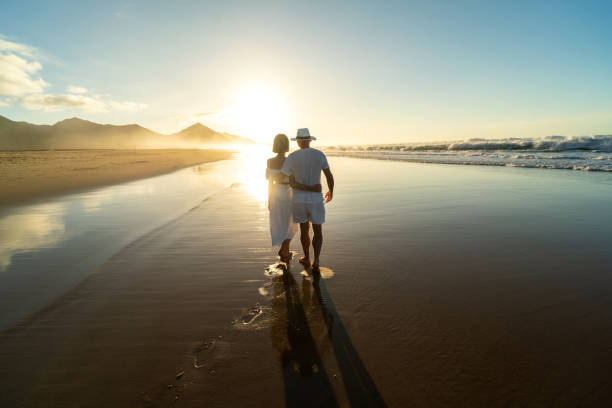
281,143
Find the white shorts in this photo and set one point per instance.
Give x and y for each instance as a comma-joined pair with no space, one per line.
309,212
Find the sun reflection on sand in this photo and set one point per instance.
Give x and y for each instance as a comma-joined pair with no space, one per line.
323,273
251,171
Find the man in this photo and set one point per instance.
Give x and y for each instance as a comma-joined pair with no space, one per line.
305,166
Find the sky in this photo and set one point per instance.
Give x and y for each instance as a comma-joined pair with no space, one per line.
352,72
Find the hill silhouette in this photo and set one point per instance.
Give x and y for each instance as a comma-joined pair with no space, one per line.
198,133
75,133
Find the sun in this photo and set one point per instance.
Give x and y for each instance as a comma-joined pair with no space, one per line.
259,112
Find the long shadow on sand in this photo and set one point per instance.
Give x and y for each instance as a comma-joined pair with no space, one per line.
305,379
306,382
360,388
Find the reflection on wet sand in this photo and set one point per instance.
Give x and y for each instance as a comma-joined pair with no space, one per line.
49,246
39,226
306,326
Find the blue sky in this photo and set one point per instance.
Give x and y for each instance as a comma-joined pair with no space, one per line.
354,72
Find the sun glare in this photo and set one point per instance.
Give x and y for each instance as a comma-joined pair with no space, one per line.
259,112
252,172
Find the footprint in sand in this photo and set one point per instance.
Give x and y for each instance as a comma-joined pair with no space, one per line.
276,269
254,318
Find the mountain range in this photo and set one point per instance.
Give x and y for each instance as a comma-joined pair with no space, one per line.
77,133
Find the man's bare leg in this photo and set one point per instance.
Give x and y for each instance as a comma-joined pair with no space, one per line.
317,243
305,238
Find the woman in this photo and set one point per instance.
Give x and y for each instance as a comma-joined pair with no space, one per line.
282,227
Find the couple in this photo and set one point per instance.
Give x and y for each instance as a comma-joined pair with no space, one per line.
294,195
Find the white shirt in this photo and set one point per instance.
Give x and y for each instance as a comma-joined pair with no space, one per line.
306,165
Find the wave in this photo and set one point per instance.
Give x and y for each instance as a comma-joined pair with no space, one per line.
599,143
576,160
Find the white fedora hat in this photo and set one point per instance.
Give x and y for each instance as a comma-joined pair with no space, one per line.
303,134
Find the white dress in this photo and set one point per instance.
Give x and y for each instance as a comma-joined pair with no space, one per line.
282,226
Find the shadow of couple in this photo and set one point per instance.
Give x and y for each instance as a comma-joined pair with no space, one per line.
307,325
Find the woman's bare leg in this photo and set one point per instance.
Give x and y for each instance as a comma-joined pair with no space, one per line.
284,250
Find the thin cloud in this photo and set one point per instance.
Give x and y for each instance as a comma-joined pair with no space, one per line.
76,89
21,84
21,49
126,106
121,12
48,102
206,113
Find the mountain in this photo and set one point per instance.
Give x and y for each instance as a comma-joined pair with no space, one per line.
200,134
77,133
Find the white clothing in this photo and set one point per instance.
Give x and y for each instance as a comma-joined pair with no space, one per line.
306,165
309,212
282,226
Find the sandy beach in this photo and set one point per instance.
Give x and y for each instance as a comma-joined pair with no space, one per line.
432,296
159,159
27,175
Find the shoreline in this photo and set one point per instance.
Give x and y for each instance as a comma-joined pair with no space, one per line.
185,312
467,161
30,175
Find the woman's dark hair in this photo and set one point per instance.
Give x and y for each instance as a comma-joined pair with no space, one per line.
281,143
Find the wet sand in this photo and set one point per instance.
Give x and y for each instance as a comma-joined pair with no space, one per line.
27,175
447,286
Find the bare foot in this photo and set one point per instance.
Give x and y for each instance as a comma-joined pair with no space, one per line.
285,257
305,261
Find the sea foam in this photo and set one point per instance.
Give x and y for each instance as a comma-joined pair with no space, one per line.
592,153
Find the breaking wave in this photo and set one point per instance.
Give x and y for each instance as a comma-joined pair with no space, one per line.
553,152
602,143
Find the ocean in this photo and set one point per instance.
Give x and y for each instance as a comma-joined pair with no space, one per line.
589,153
